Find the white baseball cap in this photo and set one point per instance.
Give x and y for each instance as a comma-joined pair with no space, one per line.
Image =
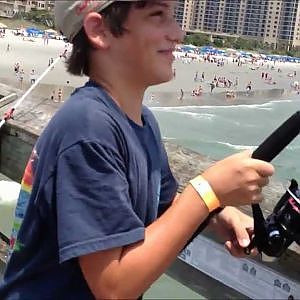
69,15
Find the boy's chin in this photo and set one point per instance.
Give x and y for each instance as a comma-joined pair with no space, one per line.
163,78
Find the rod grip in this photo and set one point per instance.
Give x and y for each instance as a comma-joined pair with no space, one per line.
279,139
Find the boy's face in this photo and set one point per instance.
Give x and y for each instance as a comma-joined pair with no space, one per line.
145,49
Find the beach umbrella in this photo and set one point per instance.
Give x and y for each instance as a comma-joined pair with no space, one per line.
2,26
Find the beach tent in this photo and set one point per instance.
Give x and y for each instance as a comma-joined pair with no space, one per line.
255,55
31,31
51,31
207,48
2,26
231,51
220,51
188,48
243,54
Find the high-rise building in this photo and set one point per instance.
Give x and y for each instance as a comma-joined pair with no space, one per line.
179,11
8,8
273,22
41,5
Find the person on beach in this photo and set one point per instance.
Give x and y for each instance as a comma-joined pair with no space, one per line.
50,62
202,76
212,86
152,99
16,68
181,95
236,83
21,78
32,76
98,216
174,72
249,87
52,96
60,95
196,76
46,38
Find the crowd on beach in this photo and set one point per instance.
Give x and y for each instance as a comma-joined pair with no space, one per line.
56,96
27,75
231,83
20,74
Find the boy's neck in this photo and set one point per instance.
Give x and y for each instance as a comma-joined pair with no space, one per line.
127,95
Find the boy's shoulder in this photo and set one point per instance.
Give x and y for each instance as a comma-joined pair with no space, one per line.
89,112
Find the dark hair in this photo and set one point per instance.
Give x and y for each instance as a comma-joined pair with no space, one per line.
115,16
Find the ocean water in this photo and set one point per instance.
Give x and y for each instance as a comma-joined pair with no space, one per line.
218,131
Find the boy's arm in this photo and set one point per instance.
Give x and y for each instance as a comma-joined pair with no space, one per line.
127,272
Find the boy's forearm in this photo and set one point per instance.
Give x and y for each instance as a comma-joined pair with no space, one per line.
142,263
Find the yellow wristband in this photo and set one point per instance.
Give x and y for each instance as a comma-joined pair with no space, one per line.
206,193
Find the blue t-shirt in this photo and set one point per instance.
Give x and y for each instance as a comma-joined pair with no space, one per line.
94,181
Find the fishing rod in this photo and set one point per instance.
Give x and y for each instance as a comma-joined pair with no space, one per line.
9,114
278,231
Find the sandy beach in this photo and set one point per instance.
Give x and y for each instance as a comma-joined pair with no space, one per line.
33,54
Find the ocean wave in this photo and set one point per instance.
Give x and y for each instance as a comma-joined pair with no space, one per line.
237,147
168,138
264,106
194,115
293,147
172,108
204,116
282,101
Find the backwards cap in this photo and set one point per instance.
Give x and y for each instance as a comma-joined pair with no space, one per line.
69,15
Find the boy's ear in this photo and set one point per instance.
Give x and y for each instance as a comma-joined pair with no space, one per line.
96,30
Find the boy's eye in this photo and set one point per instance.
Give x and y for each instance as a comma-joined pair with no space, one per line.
157,13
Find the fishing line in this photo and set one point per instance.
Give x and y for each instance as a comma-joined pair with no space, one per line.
9,114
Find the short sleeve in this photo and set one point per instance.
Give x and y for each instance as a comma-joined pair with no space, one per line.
169,185
94,210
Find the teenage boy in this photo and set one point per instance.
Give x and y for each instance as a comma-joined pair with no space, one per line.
98,216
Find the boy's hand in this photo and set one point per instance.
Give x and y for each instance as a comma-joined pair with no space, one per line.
236,228
239,179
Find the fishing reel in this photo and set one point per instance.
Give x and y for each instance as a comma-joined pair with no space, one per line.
280,229
273,235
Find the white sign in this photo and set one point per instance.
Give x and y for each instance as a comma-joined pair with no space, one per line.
248,277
